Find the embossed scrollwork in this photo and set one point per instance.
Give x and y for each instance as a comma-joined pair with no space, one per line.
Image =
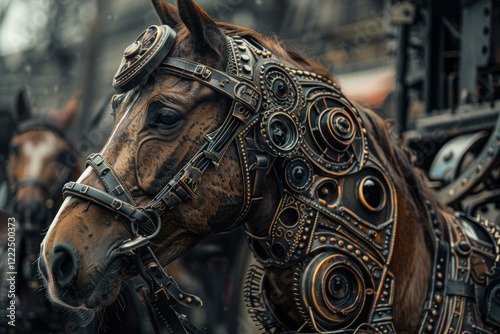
280,87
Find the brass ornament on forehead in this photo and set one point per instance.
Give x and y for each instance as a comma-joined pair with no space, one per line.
142,56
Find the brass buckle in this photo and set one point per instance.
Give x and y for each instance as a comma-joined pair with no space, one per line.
116,204
202,71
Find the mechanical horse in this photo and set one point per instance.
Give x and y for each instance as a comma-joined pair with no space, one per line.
217,126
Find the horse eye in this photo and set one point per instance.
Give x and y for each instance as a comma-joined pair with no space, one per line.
371,194
168,118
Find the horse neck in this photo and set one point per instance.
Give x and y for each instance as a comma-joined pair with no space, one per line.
280,294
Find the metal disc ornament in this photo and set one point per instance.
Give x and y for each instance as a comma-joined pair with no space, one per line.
142,56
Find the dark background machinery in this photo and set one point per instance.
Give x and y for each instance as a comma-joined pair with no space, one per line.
446,98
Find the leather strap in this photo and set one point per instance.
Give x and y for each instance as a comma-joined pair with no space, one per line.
224,83
111,181
32,183
132,214
459,288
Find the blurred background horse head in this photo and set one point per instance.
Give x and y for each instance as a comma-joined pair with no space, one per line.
41,159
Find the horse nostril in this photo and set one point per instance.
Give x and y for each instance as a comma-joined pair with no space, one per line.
64,265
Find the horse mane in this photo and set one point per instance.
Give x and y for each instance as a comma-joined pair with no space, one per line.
282,51
410,181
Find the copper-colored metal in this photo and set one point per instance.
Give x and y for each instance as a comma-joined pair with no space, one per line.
142,56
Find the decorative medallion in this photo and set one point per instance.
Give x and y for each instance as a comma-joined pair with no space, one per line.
335,141
280,87
142,56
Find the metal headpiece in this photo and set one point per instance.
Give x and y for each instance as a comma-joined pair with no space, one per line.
142,56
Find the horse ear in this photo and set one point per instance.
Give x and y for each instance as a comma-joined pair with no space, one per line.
166,12
67,114
203,29
22,106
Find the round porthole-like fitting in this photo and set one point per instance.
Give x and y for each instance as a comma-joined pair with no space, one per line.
299,174
332,286
336,129
280,133
371,193
327,193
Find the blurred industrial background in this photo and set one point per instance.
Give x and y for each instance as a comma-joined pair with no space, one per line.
57,47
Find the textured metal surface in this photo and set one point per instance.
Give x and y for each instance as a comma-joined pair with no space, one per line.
142,56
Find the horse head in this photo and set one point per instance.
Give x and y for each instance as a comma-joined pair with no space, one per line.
40,160
217,126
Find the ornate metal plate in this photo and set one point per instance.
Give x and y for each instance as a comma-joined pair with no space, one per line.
142,56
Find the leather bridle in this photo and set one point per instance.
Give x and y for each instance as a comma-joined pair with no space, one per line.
182,187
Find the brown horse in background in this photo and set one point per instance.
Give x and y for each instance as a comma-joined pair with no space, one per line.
161,123
40,161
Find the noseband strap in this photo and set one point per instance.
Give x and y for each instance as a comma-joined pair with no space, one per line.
116,199
29,182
